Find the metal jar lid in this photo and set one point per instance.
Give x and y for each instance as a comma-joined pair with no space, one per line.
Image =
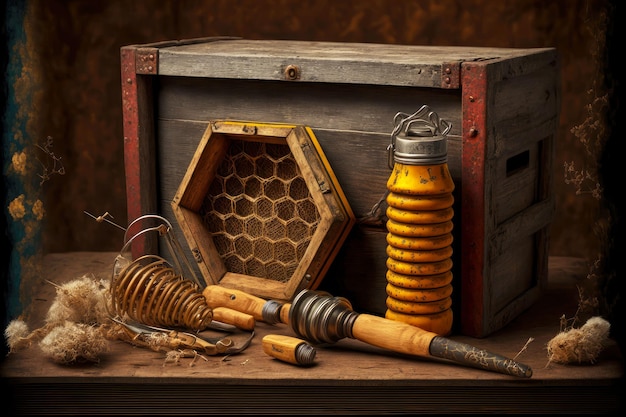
419,139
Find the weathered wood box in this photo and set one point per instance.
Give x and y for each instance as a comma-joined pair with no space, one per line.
503,105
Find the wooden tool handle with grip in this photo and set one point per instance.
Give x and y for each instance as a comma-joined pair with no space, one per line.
218,296
411,340
289,349
238,319
393,335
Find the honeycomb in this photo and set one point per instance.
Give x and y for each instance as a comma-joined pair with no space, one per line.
259,210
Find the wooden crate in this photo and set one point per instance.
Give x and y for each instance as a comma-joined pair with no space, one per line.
503,105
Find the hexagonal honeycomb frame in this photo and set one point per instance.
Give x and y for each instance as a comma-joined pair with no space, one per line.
308,200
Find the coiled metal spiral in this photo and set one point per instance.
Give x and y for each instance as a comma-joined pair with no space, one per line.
321,318
149,291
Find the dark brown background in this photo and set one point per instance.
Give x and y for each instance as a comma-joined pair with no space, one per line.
74,52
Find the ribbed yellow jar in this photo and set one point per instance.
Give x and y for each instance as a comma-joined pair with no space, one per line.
419,225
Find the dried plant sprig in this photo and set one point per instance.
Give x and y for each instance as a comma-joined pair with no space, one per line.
585,181
106,217
523,349
594,127
47,169
592,133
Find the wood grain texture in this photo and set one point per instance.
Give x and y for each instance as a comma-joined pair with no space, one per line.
504,114
348,375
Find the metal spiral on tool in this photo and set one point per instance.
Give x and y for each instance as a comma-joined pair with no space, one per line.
149,291
271,311
305,354
321,318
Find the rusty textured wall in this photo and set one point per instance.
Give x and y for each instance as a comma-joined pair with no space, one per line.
80,107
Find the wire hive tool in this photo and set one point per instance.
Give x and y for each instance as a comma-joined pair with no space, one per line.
151,298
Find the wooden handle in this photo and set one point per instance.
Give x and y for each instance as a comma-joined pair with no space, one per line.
393,335
289,349
236,318
218,296
405,338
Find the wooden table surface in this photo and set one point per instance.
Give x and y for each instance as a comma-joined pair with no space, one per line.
348,377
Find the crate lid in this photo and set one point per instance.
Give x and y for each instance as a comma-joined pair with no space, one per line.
326,62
